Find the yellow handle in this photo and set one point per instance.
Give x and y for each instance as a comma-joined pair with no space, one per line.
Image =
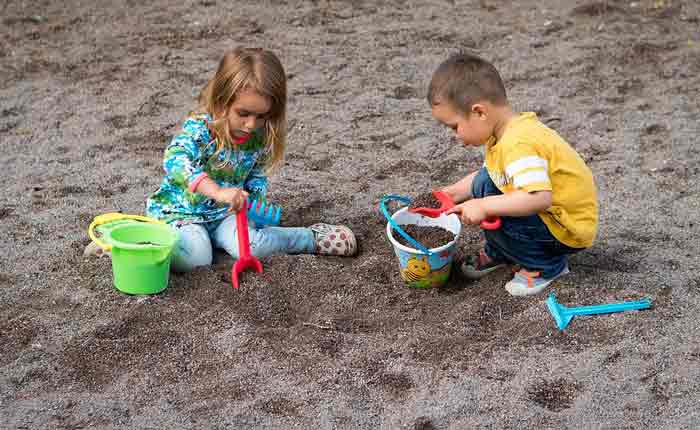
111,217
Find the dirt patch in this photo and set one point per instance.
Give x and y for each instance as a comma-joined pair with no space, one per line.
554,395
428,236
425,200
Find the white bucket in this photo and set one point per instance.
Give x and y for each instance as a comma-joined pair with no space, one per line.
419,270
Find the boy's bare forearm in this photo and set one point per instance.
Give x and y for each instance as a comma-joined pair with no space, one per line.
462,189
517,203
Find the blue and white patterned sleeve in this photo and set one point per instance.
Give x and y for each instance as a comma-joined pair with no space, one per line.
183,156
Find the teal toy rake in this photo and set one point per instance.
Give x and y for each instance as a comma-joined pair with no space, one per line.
264,213
563,315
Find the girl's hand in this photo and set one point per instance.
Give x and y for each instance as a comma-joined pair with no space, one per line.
233,197
470,212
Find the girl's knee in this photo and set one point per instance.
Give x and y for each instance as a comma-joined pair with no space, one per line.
192,250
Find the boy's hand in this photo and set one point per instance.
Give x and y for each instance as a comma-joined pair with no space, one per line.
461,190
234,197
470,212
450,193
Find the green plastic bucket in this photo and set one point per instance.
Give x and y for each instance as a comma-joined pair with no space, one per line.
141,255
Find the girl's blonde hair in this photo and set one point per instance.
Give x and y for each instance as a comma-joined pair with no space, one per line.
255,69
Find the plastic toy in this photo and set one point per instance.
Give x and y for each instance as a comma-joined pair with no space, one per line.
419,266
563,315
141,249
407,201
101,225
491,223
263,213
245,259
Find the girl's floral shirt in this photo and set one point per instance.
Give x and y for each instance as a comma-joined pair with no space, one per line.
191,155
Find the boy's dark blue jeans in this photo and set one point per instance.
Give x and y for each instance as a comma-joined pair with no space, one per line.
525,241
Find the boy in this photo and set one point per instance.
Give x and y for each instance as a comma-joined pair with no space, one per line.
535,181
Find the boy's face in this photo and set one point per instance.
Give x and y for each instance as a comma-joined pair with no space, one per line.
472,128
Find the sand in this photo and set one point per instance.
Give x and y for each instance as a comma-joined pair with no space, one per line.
91,92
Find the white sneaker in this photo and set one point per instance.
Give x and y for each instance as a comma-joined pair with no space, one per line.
526,283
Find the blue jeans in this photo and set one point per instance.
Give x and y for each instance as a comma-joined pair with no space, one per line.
525,240
197,242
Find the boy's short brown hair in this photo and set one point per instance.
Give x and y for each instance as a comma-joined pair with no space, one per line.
464,79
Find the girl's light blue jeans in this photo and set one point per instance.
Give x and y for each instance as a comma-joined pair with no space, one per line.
524,240
197,242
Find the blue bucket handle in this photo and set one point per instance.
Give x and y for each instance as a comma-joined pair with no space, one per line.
407,201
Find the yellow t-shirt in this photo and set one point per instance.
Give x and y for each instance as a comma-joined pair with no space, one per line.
532,157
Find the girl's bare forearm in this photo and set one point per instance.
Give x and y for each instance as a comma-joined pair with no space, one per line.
209,188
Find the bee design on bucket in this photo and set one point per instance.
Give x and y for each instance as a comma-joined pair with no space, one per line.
416,269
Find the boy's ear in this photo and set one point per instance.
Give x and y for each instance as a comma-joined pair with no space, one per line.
479,110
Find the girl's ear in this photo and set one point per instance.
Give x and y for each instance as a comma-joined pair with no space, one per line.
219,113
221,110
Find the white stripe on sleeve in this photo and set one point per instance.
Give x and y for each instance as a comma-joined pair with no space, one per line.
530,177
531,162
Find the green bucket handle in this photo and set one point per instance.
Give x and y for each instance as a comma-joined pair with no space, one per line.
407,201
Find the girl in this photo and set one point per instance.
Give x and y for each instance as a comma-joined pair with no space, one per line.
227,147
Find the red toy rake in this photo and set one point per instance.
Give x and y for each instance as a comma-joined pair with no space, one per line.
491,223
245,259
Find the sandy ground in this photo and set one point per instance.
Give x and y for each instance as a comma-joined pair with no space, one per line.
92,91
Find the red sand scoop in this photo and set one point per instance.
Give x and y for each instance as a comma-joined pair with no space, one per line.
491,223
245,260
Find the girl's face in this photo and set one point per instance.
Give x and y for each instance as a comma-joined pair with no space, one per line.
247,113
473,128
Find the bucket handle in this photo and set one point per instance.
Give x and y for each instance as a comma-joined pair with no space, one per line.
385,212
112,217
